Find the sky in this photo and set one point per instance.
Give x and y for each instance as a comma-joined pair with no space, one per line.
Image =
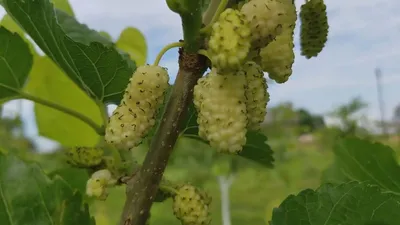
363,35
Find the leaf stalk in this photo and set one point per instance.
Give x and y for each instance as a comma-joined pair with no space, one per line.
100,130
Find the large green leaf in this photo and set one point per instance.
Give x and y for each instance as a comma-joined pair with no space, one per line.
346,204
79,32
48,82
98,69
256,148
15,63
363,160
10,24
28,196
132,41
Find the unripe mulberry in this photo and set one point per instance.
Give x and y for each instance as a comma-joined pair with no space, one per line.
268,18
257,95
190,207
314,28
229,42
278,57
135,116
84,156
98,183
221,105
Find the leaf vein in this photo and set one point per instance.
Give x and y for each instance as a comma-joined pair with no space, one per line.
6,205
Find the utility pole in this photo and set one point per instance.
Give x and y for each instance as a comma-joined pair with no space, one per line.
378,75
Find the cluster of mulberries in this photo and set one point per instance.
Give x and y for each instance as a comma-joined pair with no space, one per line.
132,120
232,98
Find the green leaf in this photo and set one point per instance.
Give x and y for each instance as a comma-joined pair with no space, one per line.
363,160
28,196
79,32
256,148
132,41
191,125
346,204
99,70
15,63
106,35
64,6
9,23
48,82
75,177
333,174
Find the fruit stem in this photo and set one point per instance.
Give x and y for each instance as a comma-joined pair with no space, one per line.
143,187
116,155
165,49
99,129
168,189
220,9
103,111
204,53
209,13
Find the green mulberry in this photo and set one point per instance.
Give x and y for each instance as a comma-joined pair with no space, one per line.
268,18
190,206
221,104
257,95
278,57
314,28
84,156
132,120
229,42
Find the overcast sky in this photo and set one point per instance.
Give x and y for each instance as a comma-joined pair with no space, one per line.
364,34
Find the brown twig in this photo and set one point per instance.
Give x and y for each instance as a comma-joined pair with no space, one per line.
142,189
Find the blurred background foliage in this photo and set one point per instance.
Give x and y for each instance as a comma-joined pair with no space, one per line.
302,144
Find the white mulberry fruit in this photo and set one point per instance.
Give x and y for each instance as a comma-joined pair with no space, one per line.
191,207
229,42
278,57
221,105
257,96
268,18
135,116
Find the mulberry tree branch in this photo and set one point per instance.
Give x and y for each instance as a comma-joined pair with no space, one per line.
142,188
